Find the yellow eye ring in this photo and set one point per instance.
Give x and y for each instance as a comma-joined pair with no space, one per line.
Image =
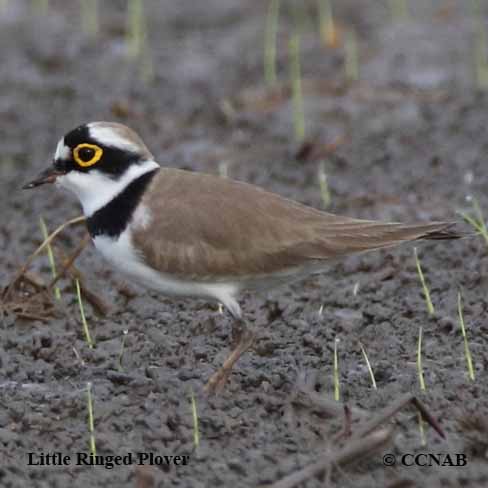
97,154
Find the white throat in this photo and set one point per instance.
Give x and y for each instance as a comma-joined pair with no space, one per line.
95,189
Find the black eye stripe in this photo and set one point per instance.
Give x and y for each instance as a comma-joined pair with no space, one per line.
113,162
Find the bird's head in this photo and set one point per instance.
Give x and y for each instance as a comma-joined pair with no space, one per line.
96,161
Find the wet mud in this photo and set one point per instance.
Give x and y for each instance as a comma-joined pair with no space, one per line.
406,142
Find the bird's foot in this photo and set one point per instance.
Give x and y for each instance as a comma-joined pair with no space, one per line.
217,381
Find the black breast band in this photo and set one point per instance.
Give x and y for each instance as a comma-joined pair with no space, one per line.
112,219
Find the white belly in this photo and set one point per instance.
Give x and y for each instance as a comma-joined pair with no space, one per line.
122,256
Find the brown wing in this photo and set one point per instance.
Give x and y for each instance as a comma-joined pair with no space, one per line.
212,228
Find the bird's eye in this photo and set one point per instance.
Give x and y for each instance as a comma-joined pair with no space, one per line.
87,154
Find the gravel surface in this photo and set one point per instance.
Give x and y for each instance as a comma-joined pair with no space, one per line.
407,142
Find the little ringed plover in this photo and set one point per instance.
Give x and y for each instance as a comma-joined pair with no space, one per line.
197,235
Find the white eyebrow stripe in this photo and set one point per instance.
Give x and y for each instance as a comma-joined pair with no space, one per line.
107,136
62,150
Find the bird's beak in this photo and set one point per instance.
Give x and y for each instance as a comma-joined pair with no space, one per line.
49,175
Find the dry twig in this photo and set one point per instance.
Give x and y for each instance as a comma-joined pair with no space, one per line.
20,273
68,263
39,305
352,451
369,436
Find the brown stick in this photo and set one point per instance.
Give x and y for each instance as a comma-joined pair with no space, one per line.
367,437
32,316
305,395
69,262
29,260
92,298
427,416
352,451
347,426
36,281
327,406
390,411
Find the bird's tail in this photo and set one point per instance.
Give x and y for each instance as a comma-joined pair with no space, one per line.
356,236
430,231
443,230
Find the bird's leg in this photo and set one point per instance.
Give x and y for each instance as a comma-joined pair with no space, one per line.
245,339
238,329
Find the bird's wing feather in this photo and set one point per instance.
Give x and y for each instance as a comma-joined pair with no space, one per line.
211,228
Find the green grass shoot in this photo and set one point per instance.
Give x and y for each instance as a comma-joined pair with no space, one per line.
122,349
480,47
428,301
86,331
399,10
478,221
336,372
77,355
368,364
296,87
355,288
270,36
136,29
351,56
91,421
423,439
420,368
224,169
327,26
301,18
196,431
136,39
467,352
52,264
146,66
89,17
41,6
324,186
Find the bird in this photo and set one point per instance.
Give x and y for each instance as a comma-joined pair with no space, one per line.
191,234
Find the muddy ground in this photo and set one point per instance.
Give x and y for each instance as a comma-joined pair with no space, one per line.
407,142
